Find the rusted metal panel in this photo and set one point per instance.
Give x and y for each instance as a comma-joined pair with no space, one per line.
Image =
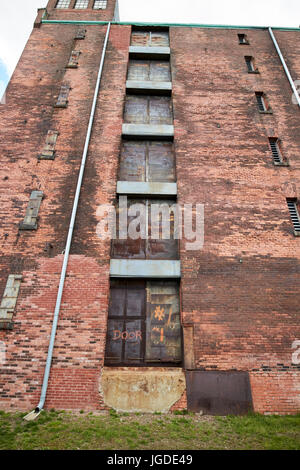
160,71
159,38
140,38
163,332
154,246
135,304
147,161
158,247
138,70
154,70
219,392
161,162
149,38
136,110
132,340
148,110
129,248
160,110
126,318
133,161
189,350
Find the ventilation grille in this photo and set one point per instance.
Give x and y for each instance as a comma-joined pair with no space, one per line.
294,214
275,151
260,102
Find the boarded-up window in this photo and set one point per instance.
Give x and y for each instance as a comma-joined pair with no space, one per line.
80,34
163,332
153,70
62,100
150,230
148,110
150,38
49,148
73,61
147,161
31,217
9,301
143,323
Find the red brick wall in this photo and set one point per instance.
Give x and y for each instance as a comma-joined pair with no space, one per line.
80,341
241,290
244,313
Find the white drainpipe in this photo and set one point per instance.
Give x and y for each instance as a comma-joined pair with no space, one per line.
285,66
34,414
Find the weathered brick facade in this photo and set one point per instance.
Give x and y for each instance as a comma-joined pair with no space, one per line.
239,294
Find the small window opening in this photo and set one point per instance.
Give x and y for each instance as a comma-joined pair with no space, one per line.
293,209
243,39
276,151
251,64
263,104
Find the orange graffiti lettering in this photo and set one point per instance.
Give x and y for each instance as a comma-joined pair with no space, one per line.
159,313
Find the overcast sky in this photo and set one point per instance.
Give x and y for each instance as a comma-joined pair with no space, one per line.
17,16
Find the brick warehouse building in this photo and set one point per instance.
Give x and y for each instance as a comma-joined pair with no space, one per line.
189,113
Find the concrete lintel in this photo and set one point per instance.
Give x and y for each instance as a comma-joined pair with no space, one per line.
148,85
150,52
130,268
148,130
147,188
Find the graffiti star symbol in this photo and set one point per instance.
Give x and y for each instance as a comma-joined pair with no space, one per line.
159,313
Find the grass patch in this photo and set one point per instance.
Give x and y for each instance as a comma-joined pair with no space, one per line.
113,431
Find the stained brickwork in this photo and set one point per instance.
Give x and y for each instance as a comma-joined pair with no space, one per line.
240,291
78,355
239,294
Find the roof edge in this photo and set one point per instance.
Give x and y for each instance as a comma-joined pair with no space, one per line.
186,25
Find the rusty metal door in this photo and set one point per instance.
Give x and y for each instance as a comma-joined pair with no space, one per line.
163,331
153,70
147,161
161,245
126,323
150,38
150,244
133,305
148,110
129,248
219,392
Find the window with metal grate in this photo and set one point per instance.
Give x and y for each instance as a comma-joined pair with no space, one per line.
100,4
63,4
292,206
263,103
276,153
81,4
